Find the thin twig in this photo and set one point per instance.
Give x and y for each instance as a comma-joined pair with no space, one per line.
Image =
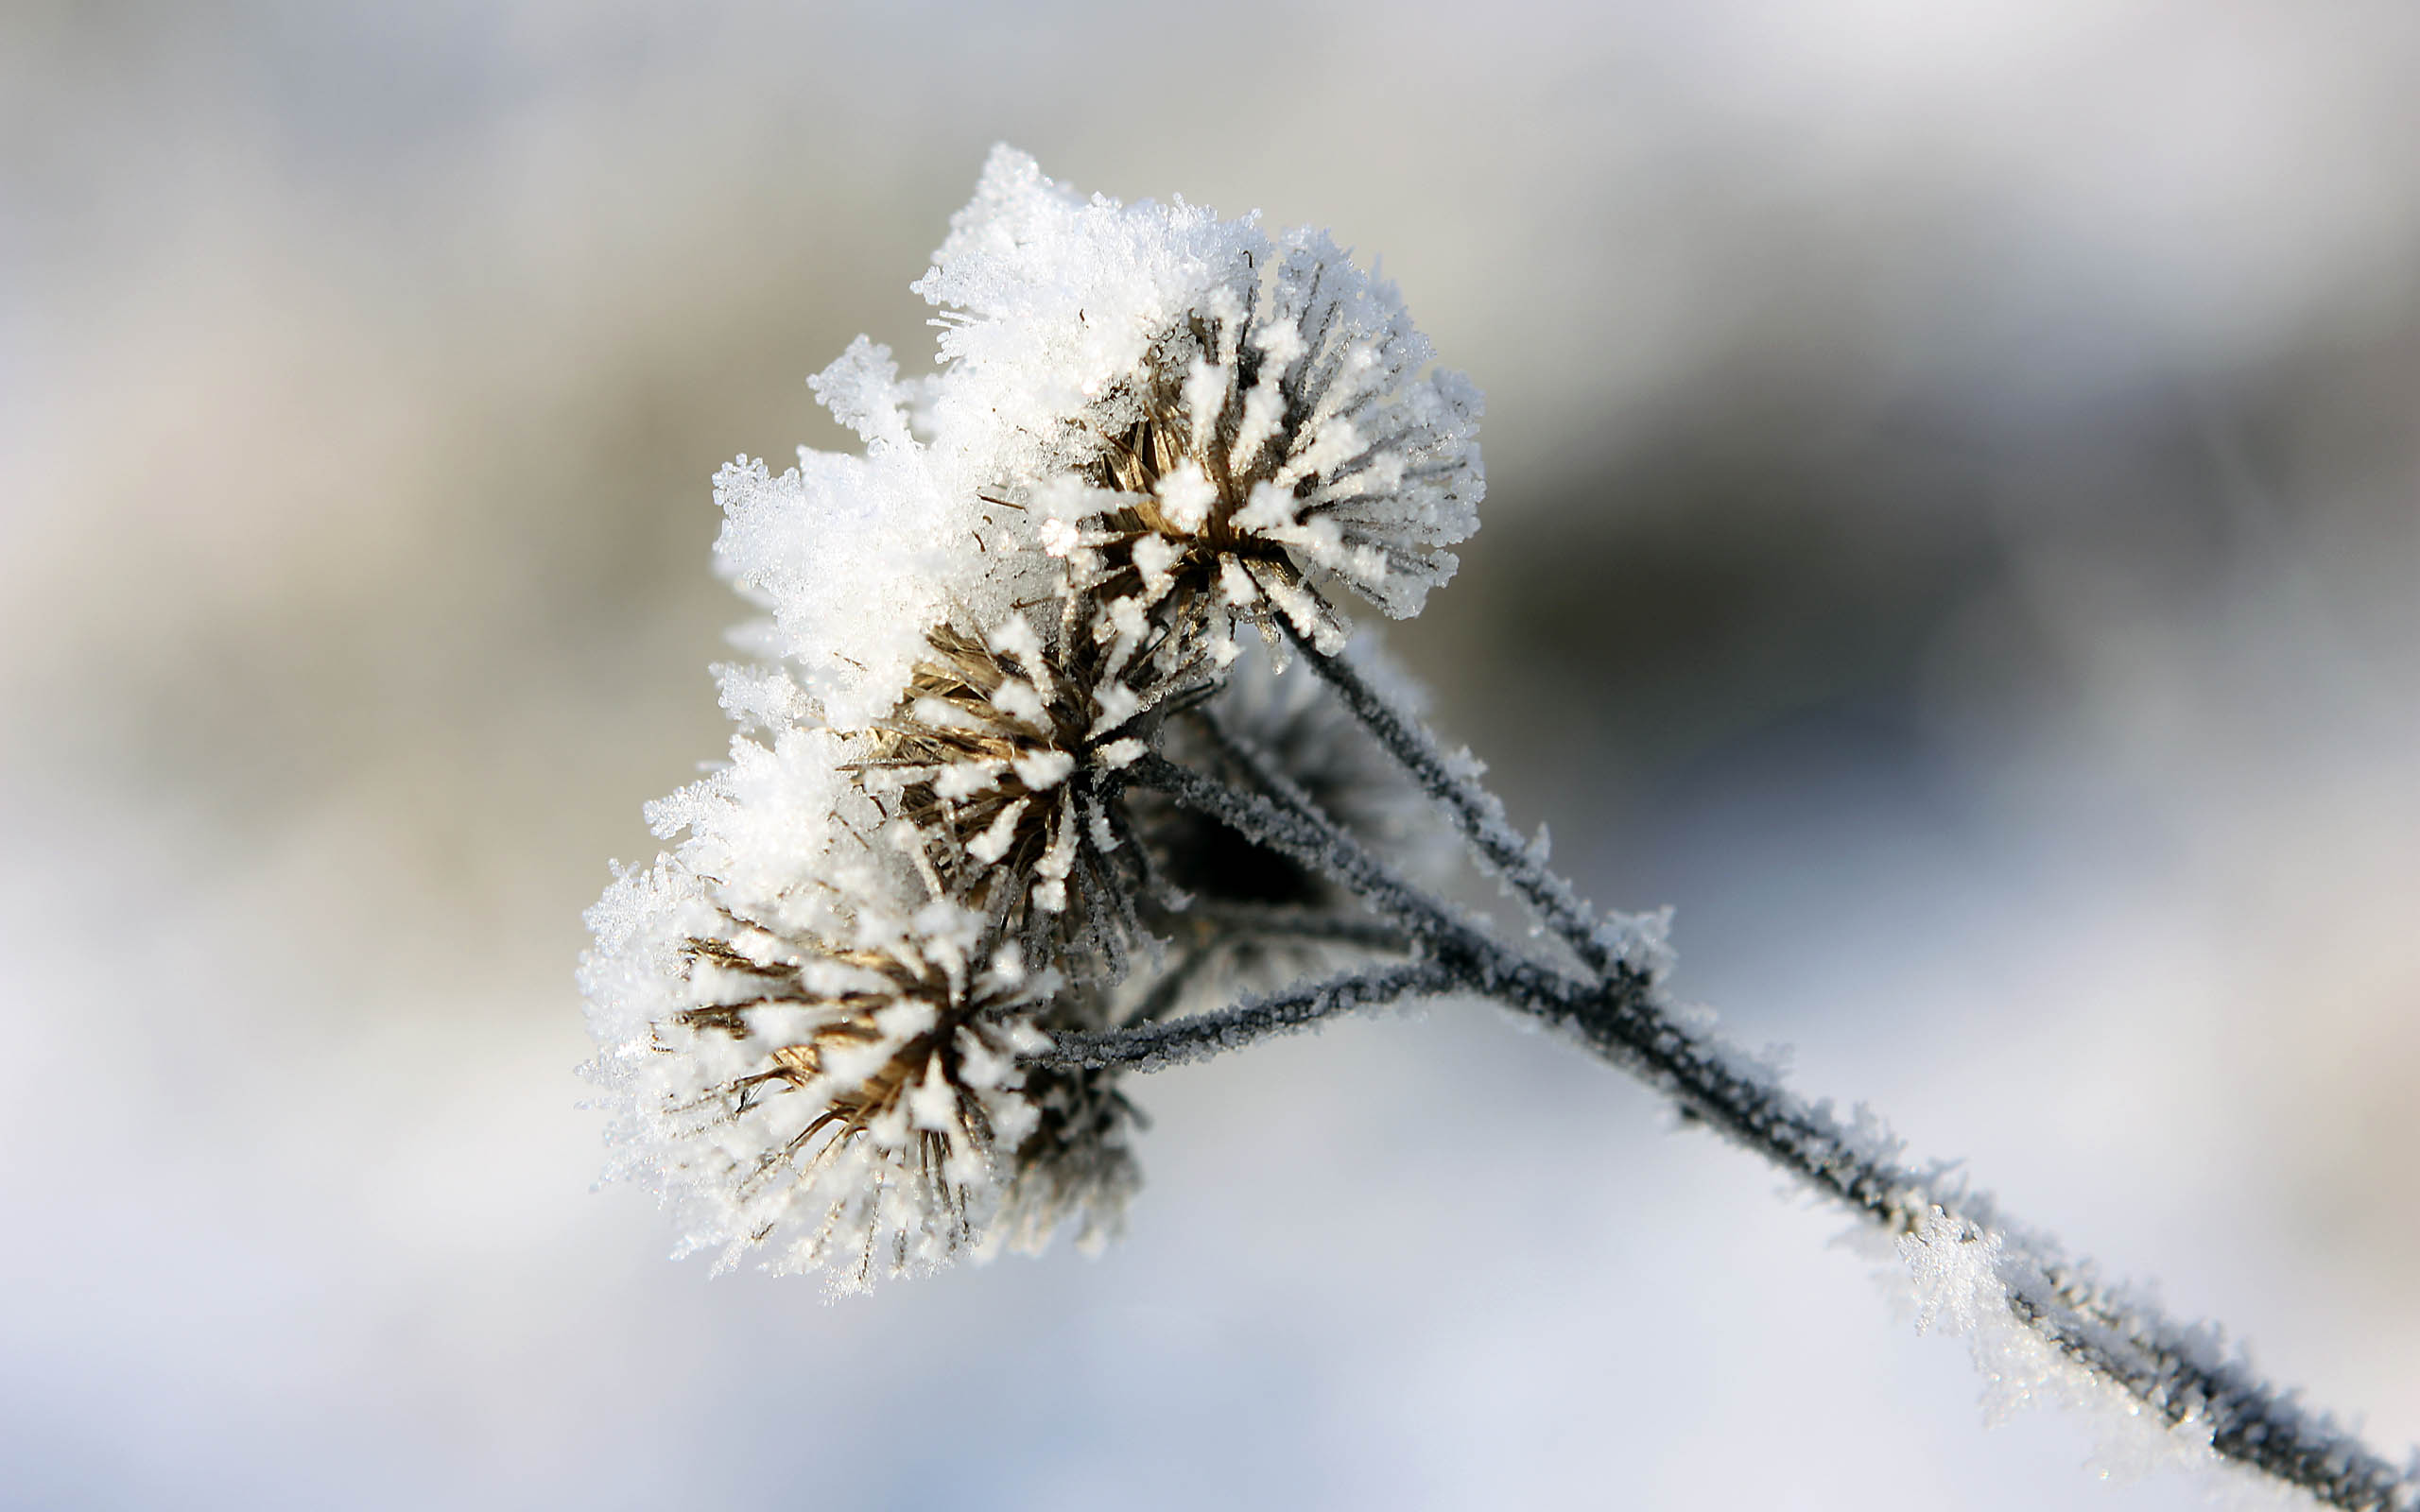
1264,922
1477,811
1156,1046
1304,836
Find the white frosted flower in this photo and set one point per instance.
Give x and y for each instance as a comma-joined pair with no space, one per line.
811,1050
1278,445
995,759
1195,414
1149,423
849,1102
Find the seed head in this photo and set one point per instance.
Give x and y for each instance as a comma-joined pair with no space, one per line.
994,763
851,1105
1276,438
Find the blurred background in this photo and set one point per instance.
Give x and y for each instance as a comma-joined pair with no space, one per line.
1954,530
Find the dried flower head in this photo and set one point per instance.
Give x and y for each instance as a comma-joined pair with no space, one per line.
994,761
851,1102
1278,436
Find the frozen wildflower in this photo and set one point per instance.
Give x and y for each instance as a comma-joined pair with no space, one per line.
995,759
851,1101
872,1012
812,1034
1274,444
1203,420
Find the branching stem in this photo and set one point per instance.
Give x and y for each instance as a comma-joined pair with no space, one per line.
2178,1372
1477,812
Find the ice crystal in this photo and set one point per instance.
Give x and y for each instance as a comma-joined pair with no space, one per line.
855,556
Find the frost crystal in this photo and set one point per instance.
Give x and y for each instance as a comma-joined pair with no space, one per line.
855,556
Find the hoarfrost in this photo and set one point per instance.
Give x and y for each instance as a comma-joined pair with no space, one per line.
1971,1281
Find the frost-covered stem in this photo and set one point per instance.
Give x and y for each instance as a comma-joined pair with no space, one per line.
1262,921
2176,1371
1290,825
2180,1372
1154,1046
1477,812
